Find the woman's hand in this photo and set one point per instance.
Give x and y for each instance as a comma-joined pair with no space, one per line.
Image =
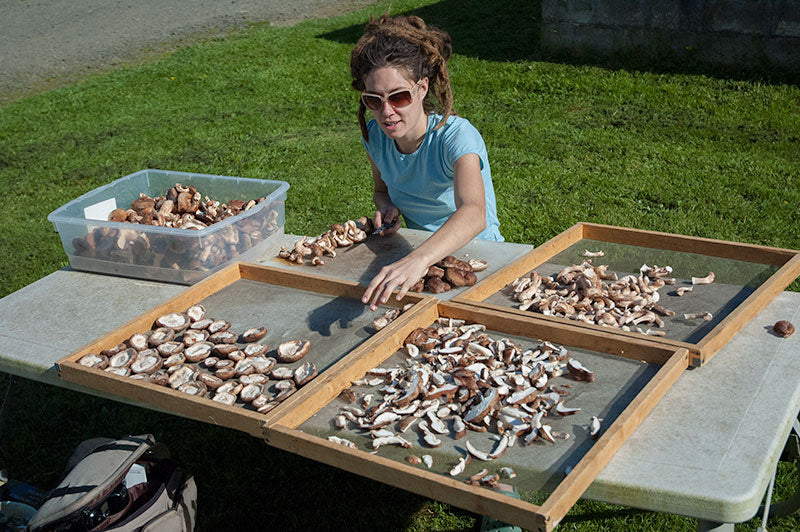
399,275
388,214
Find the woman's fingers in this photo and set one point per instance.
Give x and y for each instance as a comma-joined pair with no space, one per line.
394,228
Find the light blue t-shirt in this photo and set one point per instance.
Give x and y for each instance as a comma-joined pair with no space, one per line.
421,183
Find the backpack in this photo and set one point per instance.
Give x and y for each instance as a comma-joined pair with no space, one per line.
125,485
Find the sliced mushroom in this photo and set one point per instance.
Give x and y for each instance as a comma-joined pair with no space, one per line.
707,316
594,428
579,372
293,351
708,279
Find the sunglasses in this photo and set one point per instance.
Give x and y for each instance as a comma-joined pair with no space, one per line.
397,99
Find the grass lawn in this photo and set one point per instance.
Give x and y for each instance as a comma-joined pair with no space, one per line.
654,148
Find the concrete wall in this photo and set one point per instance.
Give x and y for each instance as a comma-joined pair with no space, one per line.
746,34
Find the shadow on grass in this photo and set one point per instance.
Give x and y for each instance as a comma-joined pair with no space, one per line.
243,484
498,30
494,30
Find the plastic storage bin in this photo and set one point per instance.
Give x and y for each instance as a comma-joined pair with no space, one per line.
164,253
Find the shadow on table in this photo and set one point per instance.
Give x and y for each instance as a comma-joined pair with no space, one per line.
341,311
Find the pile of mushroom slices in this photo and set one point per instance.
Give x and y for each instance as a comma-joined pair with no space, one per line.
202,356
457,379
312,249
592,294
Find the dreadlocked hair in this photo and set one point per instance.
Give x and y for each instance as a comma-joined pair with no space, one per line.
405,43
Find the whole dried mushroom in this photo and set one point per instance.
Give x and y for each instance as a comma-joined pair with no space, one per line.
783,328
177,354
182,207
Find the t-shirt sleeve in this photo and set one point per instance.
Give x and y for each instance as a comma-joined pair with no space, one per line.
463,138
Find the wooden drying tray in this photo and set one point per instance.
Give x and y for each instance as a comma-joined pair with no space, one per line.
281,427
787,261
203,409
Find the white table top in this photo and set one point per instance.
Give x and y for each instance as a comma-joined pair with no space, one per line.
707,450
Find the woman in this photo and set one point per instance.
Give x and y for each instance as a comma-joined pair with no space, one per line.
430,167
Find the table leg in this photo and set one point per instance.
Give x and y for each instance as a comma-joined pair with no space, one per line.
711,526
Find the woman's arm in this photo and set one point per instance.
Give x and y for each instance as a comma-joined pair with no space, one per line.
464,224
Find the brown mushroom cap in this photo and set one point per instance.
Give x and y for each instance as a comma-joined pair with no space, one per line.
435,271
118,215
455,277
783,328
436,285
293,351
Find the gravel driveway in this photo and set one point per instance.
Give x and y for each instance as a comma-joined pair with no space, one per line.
50,43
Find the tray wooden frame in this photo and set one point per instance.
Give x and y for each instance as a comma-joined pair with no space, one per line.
787,260
281,427
201,409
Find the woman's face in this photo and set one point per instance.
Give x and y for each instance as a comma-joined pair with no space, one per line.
405,124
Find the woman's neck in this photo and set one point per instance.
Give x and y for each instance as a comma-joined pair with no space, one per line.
411,142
